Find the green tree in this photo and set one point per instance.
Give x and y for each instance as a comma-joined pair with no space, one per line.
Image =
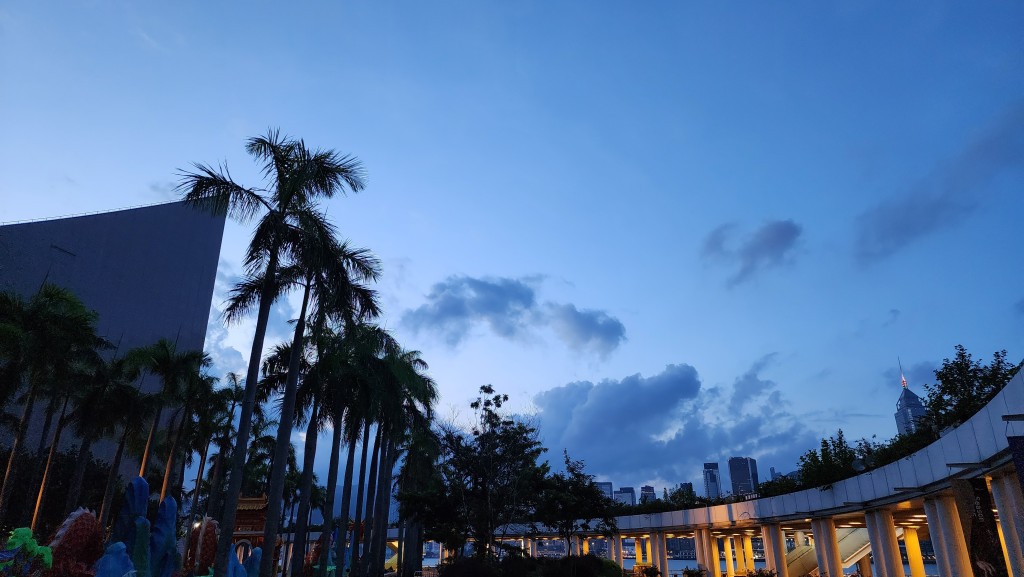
296,179
833,462
963,386
484,479
572,504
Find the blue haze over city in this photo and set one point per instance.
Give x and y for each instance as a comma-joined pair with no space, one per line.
671,232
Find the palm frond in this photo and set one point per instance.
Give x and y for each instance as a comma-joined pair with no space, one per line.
213,190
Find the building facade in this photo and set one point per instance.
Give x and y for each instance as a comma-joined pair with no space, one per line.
909,409
606,489
626,496
647,494
147,272
743,475
712,481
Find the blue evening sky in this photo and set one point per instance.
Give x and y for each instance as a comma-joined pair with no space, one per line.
672,231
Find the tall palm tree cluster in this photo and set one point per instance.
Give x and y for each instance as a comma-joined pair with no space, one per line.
53,360
339,372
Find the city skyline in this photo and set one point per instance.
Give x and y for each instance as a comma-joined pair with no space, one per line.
713,237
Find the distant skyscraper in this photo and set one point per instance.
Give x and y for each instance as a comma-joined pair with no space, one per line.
743,474
686,488
775,474
909,409
712,481
647,494
606,489
626,496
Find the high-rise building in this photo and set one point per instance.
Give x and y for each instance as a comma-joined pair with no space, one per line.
909,409
647,494
687,488
712,481
743,474
626,495
147,272
606,488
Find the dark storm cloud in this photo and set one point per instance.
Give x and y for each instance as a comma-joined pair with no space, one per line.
769,246
944,198
509,308
664,426
587,329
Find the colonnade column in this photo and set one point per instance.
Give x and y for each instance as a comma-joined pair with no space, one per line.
748,552
884,546
698,546
648,556
826,548
730,570
913,546
741,558
1010,505
714,559
617,549
800,539
654,544
931,511
586,545
947,523
864,566
663,558
775,549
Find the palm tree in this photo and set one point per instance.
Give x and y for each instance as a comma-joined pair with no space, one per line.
130,411
97,412
330,274
37,337
197,388
234,392
297,178
177,372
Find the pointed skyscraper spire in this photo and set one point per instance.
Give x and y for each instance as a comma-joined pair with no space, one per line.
903,379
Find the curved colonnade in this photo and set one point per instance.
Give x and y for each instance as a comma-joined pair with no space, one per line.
822,530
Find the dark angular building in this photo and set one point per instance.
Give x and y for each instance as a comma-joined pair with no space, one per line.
148,273
743,474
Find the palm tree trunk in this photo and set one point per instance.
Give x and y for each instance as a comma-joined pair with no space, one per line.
305,494
75,488
195,503
346,498
279,466
332,486
51,409
227,526
382,508
214,505
400,561
371,503
357,529
108,492
149,442
49,463
10,475
169,468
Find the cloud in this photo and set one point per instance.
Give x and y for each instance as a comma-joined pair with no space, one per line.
510,309
663,427
1019,307
892,317
944,198
770,246
587,329
165,190
456,303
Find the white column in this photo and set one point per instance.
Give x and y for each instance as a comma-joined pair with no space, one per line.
618,550
663,547
648,554
931,510
748,552
698,545
730,570
766,541
831,545
655,547
820,552
776,543
1010,506
914,558
953,536
884,546
800,539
